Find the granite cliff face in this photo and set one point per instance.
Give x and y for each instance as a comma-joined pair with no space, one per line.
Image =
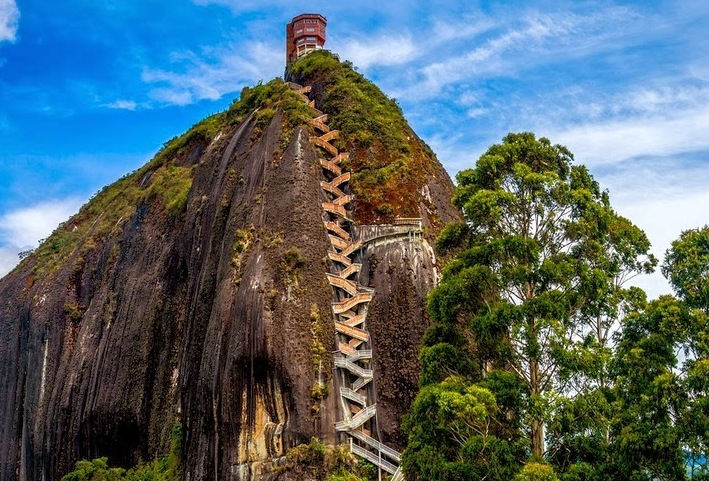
193,292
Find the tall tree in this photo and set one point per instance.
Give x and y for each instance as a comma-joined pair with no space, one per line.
649,396
686,266
540,264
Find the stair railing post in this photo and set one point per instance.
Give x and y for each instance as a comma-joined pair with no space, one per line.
379,450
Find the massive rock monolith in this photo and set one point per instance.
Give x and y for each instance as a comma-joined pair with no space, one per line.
193,292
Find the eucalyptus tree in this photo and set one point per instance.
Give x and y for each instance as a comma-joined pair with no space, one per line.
649,398
537,279
686,266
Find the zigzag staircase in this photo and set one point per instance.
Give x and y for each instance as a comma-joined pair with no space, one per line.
349,307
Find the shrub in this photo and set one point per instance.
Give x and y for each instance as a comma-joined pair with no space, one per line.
325,463
536,471
166,468
72,312
96,470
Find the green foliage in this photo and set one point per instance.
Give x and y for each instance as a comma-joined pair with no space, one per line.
528,309
344,477
580,435
172,184
649,418
388,161
319,392
96,470
166,468
540,263
292,260
72,312
289,272
368,471
99,470
323,463
442,360
316,331
535,471
307,455
452,236
649,393
174,458
242,241
457,430
265,100
686,266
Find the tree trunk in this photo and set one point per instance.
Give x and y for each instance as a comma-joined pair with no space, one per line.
537,438
537,424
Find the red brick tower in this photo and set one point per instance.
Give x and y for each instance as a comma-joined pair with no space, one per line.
305,33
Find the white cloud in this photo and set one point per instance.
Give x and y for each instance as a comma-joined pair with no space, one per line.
228,70
699,71
485,60
381,50
25,227
455,152
21,229
652,96
657,100
9,20
387,49
655,118
510,47
663,219
8,259
614,141
122,105
469,26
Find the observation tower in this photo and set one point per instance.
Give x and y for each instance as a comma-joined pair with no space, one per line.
305,33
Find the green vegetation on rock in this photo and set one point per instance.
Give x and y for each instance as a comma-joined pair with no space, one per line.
265,100
166,468
320,389
161,182
166,180
360,110
389,162
320,462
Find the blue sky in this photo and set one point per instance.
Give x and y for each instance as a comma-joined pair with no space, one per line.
90,90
